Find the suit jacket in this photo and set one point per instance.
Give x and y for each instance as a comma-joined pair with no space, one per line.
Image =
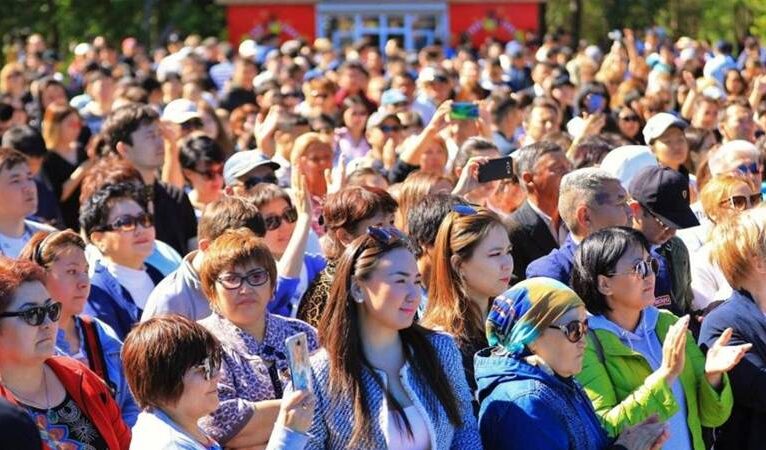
530,239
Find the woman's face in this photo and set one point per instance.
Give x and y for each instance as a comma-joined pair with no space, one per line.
199,396
671,148
625,290
67,280
53,94
355,117
209,125
737,200
629,123
70,128
316,159
433,159
553,346
244,305
488,271
277,239
206,179
734,84
20,342
124,246
393,291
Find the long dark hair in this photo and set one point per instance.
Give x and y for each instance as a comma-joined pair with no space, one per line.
340,334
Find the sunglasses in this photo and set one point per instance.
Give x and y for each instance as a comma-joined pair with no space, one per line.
209,368
658,220
574,331
254,278
253,181
400,104
743,202
273,222
642,269
129,223
629,118
390,128
210,174
464,210
35,316
294,94
386,235
746,169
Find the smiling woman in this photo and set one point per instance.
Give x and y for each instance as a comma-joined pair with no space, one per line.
70,404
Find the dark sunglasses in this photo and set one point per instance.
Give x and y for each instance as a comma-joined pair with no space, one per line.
273,222
751,168
642,269
657,219
210,174
390,128
254,278
192,124
36,315
293,94
209,368
743,202
129,223
631,118
574,331
253,181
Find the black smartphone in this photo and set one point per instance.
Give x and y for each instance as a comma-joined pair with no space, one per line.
496,169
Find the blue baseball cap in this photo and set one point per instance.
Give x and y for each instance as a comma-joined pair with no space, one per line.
392,97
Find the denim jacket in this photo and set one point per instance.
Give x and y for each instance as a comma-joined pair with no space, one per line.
111,347
334,416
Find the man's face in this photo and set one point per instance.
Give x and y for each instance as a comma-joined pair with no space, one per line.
548,171
540,73
654,229
147,152
611,208
19,192
388,129
738,124
542,120
261,174
438,90
706,116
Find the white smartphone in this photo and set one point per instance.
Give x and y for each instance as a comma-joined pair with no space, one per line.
298,357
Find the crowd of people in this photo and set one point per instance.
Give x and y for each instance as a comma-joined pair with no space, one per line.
169,217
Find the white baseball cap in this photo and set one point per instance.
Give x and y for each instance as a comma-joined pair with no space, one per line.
659,123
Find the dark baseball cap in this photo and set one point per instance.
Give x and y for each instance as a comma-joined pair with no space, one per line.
665,193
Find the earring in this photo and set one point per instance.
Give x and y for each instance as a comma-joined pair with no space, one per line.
358,299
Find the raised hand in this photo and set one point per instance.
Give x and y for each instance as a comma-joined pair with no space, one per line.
297,410
469,177
674,350
722,358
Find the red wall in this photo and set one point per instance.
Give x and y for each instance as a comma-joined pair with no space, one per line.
288,20
499,19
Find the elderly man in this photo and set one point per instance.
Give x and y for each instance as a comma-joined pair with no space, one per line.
590,199
536,228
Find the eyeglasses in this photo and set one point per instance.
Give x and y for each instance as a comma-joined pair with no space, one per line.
35,316
293,94
211,173
129,223
574,330
254,278
209,368
464,210
748,169
390,128
642,269
273,222
631,118
386,235
743,202
251,182
658,220
317,94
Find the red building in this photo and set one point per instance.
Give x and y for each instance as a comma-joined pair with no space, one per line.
414,23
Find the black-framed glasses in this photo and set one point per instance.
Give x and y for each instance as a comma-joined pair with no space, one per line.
35,316
574,331
290,215
211,173
743,202
254,278
657,219
253,181
209,368
641,269
390,128
630,118
129,223
464,210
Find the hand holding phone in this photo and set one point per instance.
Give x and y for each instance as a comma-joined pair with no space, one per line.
495,169
298,358
464,111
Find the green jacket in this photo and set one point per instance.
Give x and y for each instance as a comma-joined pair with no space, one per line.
623,394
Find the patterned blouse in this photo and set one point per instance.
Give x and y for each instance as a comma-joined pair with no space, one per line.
65,427
314,300
252,371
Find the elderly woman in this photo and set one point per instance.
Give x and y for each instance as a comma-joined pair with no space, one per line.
92,342
639,360
173,365
116,220
738,249
71,406
239,276
526,378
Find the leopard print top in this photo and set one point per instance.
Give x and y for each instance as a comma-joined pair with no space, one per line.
314,300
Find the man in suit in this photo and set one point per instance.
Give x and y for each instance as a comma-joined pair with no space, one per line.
536,228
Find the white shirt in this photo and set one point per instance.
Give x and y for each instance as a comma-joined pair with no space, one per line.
559,235
708,283
396,432
137,282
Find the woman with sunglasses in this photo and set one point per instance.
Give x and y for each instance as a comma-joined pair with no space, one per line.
90,341
382,380
239,276
641,361
288,233
472,264
629,125
173,365
71,406
526,378
202,166
722,197
115,219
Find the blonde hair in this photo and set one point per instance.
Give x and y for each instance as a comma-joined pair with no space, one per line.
735,241
54,116
7,70
718,189
304,142
416,186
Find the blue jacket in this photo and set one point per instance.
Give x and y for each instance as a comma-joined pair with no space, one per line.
334,416
523,407
557,264
111,346
111,302
745,427
289,291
